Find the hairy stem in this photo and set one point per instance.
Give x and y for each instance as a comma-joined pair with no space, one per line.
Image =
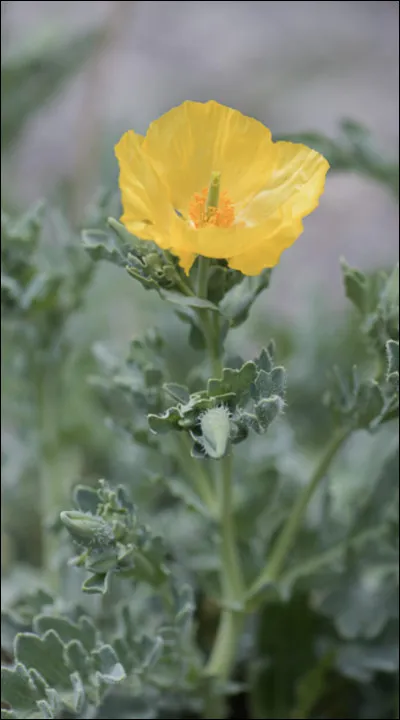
223,653
287,537
231,622
210,329
232,576
52,495
199,476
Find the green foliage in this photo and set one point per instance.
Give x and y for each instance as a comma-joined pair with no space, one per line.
239,302
131,389
363,403
339,622
64,664
144,261
111,540
251,566
377,299
366,402
45,280
32,77
40,299
339,581
228,291
61,666
258,383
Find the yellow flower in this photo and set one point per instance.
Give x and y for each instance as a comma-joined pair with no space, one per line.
207,180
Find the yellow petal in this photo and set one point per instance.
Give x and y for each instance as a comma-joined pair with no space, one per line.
267,252
296,182
147,211
186,260
191,141
215,242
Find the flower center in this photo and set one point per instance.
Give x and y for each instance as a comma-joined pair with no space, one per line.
211,207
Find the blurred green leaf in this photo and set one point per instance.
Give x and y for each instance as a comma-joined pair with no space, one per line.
103,246
312,686
285,649
237,304
356,286
31,78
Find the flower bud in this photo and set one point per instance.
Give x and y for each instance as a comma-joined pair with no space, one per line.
81,526
215,426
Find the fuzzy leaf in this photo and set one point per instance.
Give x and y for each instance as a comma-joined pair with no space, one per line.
238,303
356,286
19,690
221,280
86,499
250,421
83,630
164,423
233,381
369,403
103,246
188,301
96,584
29,605
46,655
267,410
265,360
392,351
178,392
109,669
270,383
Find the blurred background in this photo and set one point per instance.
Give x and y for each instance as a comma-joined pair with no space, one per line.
99,68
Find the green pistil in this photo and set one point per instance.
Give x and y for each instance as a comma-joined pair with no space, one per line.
213,193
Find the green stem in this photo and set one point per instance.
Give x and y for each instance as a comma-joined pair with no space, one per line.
202,276
222,656
232,576
224,650
199,475
52,495
328,557
210,329
232,618
183,286
287,537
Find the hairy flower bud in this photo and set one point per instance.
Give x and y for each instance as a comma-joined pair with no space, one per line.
215,426
81,526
